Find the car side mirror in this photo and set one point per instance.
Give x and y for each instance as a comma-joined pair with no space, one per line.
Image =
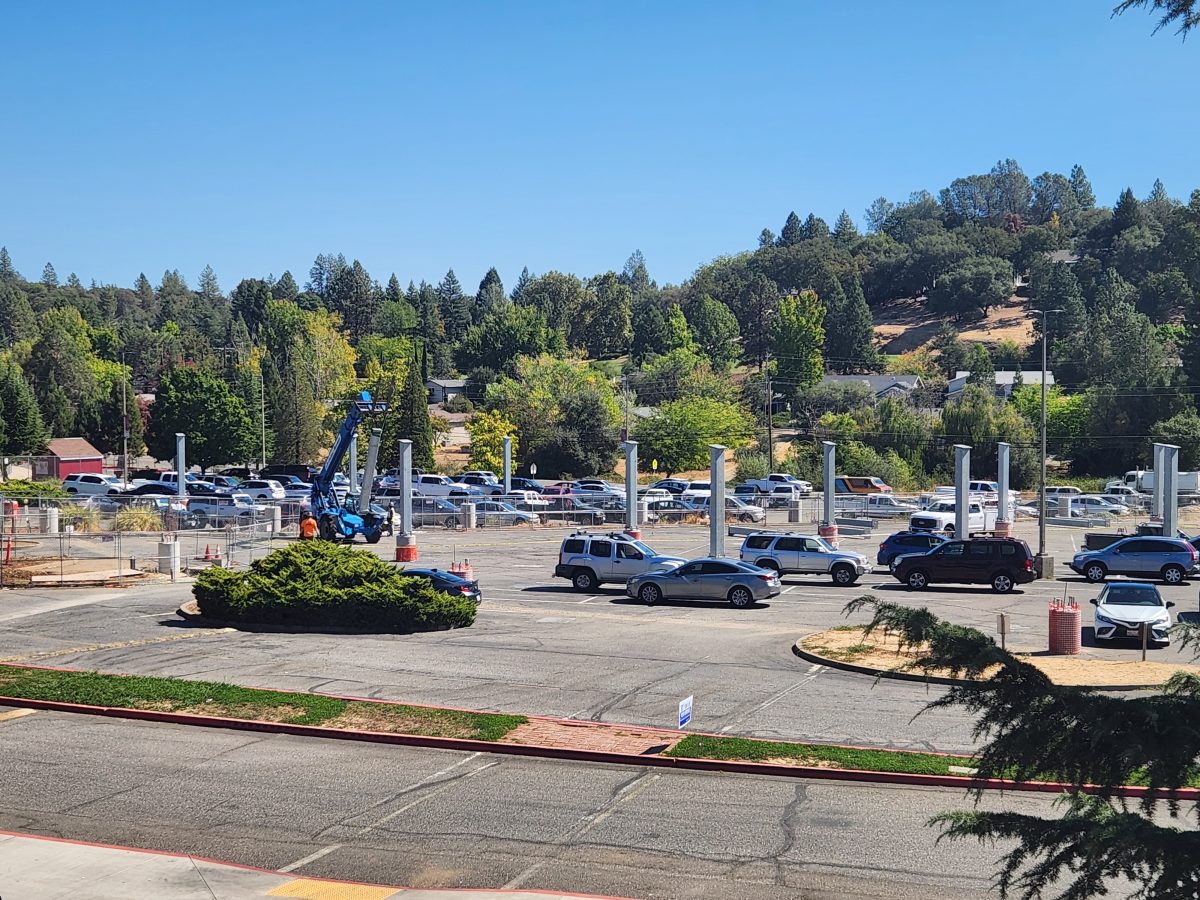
1094,601
1170,604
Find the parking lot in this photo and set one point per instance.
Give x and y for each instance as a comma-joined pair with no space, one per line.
538,646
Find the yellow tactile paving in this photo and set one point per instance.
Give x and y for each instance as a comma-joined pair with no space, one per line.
308,889
15,714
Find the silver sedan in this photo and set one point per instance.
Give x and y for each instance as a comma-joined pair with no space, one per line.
707,579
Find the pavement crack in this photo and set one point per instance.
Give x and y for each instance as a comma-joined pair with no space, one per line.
789,821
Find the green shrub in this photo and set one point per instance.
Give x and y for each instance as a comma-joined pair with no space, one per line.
318,583
137,518
459,403
21,489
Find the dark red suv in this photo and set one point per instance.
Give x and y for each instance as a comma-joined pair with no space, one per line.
1001,562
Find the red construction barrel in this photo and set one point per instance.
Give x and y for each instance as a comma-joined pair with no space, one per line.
829,531
1065,629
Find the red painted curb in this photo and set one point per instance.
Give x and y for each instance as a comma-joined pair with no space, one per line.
294,876
579,755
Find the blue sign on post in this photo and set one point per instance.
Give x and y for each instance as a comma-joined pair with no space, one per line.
685,711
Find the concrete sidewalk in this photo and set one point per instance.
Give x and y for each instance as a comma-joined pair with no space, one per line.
45,868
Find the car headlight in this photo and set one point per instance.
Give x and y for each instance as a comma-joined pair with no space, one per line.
1103,620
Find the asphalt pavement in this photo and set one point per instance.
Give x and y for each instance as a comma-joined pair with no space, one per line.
540,647
431,818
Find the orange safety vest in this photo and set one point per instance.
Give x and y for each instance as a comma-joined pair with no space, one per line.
308,527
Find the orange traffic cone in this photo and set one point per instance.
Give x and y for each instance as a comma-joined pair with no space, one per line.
207,552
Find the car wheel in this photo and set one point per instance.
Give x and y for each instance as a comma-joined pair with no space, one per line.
768,564
584,580
1173,574
451,522
1002,583
745,517
201,520
649,594
917,580
1095,572
374,536
843,575
72,490
741,597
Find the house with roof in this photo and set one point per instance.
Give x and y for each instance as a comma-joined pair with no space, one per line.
897,387
68,456
1005,382
442,389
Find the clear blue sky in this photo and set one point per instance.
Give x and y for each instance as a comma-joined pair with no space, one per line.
142,136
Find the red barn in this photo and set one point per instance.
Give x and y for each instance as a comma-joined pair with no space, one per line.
71,456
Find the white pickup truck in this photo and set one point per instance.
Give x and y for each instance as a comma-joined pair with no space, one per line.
874,506
775,479
940,516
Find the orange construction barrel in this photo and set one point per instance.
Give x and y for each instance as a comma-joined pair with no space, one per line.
829,531
1065,628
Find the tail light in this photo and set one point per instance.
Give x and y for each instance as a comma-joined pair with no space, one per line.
1028,564
883,546
767,578
466,588
1195,555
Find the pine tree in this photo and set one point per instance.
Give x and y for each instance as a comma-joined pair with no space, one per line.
814,228
766,238
249,302
523,282
49,276
285,288
145,293
352,295
17,321
636,276
208,287
793,231
454,307
7,271
854,329
1082,188
412,417
59,413
74,282
393,293
489,296
1127,213
24,431
844,229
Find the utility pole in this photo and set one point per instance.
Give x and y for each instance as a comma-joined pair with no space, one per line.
770,418
626,404
1042,560
262,397
124,427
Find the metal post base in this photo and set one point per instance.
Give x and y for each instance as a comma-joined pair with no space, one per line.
1045,566
406,548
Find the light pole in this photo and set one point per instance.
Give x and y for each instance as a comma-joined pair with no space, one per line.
124,427
1043,562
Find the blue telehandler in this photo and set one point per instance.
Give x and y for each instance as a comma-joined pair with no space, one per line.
357,515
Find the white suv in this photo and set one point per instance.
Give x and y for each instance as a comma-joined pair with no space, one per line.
92,485
591,559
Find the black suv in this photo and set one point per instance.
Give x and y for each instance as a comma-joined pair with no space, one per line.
1001,562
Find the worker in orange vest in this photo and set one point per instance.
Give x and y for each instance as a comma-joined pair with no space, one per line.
308,527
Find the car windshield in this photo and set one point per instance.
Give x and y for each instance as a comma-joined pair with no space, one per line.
1132,595
646,551
825,544
700,486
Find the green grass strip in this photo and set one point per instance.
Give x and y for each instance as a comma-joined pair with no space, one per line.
699,746
218,699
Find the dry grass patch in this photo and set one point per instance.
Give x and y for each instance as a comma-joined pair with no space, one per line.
881,650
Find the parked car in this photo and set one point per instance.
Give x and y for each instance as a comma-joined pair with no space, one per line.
1001,562
941,516
442,486
706,579
571,509
804,554
225,483
589,560
158,489
559,489
875,506
674,486
907,542
263,489
238,509
449,583
676,511
1124,608
301,471
1095,505
781,495
496,512
781,479
520,483
241,473
481,482
433,511
526,501
736,510
696,490
1170,559
594,490
89,485
612,507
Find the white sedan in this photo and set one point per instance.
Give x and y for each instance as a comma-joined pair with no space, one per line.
263,489
1125,607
